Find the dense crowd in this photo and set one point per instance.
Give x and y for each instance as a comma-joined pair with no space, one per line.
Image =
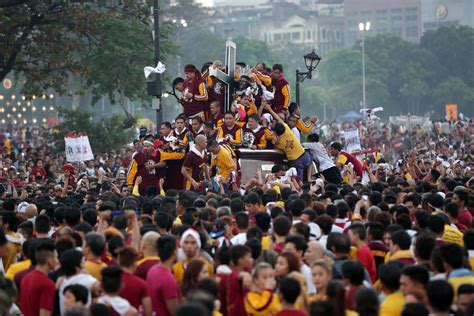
165,226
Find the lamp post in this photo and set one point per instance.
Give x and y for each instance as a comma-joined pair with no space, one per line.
155,87
311,61
363,27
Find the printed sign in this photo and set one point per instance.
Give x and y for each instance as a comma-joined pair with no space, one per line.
451,112
352,140
78,148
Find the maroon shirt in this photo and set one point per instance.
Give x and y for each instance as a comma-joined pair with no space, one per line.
278,101
37,292
134,289
192,107
235,295
194,164
256,135
149,177
144,267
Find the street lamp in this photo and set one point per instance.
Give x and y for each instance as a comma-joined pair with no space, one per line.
363,27
311,61
155,87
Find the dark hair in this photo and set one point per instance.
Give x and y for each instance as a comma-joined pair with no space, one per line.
263,221
436,224
290,289
401,239
44,251
452,254
469,239
277,67
313,138
440,295
192,308
72,216
367,302
414,198
340,242
100,310
42,224
238,252
3,238
417,274
463,195
255,245
353,271
298,241
210,286
466,288
84,227
424,245
415,309
252,198
96,242
325,223
242,220
375,230
111,279
389,275
336,293
321,308
71,260
127,256
337,146
236,205
254,232
80,292
191,275
359,230
452,209
293,261
279,128
281,226
164,220
166,246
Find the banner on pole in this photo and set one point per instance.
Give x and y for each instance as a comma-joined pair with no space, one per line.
451,112
352,140
78,148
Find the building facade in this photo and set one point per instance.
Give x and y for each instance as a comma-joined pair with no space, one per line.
436,13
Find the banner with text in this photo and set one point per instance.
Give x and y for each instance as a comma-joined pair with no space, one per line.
78,148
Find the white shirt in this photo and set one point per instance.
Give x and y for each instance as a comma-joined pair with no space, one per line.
320,154
323,241
297,133
239,239
306,272
83,279
336,229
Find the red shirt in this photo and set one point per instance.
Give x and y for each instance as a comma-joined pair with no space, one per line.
465,218
37,292
144,267
235,295
163,287
133,289
365,256
290,313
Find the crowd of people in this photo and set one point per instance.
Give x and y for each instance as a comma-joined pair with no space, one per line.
166,226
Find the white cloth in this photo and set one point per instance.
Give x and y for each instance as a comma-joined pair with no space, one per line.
323,241
306,272
239,239
336,229
223,269
159,69
83,279
320,154
118,304
297,133
194,234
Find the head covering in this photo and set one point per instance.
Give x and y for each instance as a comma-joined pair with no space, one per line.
150,139
189,68
218,229
22,207
194,234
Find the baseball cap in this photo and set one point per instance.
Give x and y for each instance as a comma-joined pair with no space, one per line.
218,229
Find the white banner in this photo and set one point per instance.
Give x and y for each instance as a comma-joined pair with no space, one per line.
78,148
352,140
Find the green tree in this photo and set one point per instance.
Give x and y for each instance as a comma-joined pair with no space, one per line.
105,134
454,90
49,44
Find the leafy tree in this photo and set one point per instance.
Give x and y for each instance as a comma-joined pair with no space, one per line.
105,134
49,44
454,90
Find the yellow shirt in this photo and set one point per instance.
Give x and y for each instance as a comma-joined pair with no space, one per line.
261,304
224,161
265,242
392,305
17,267
94,269
303,127
289,144
471,262
452,235
179,269
456,282
14,248
139,262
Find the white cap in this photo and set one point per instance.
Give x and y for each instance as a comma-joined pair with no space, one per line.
22,207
